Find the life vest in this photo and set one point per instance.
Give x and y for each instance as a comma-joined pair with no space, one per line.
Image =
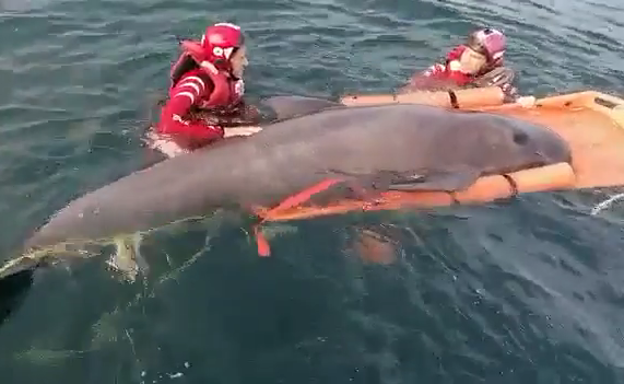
455,54
464,79
457,76
228,91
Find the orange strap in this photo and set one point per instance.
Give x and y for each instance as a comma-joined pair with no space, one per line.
292,201
301,197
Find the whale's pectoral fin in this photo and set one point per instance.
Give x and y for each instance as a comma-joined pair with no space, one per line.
447,180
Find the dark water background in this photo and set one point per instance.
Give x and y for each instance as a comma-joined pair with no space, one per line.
530,291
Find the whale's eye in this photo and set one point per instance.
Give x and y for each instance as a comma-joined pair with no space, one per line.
520,138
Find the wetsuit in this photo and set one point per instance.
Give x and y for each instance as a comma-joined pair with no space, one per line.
197,90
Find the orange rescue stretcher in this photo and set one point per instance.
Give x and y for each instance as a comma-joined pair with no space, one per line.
591,122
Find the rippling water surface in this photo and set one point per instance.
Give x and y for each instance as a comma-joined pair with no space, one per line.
525,291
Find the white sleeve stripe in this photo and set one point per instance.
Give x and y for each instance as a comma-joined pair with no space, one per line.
194,78
189,84
188,94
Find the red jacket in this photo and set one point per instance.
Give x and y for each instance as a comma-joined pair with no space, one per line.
198,88
442,72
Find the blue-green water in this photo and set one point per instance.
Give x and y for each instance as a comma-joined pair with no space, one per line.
526,291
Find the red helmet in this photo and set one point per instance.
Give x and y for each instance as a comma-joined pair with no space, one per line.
220,42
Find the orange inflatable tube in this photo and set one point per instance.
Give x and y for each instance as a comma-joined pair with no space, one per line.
593,125
465,98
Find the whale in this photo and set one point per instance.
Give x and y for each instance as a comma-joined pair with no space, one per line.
377,147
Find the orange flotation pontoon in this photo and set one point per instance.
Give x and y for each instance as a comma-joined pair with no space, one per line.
461,99
591,122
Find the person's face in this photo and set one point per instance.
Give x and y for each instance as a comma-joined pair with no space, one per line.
472,61
239,62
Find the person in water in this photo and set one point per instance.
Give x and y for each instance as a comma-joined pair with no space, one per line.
477,63
206,89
